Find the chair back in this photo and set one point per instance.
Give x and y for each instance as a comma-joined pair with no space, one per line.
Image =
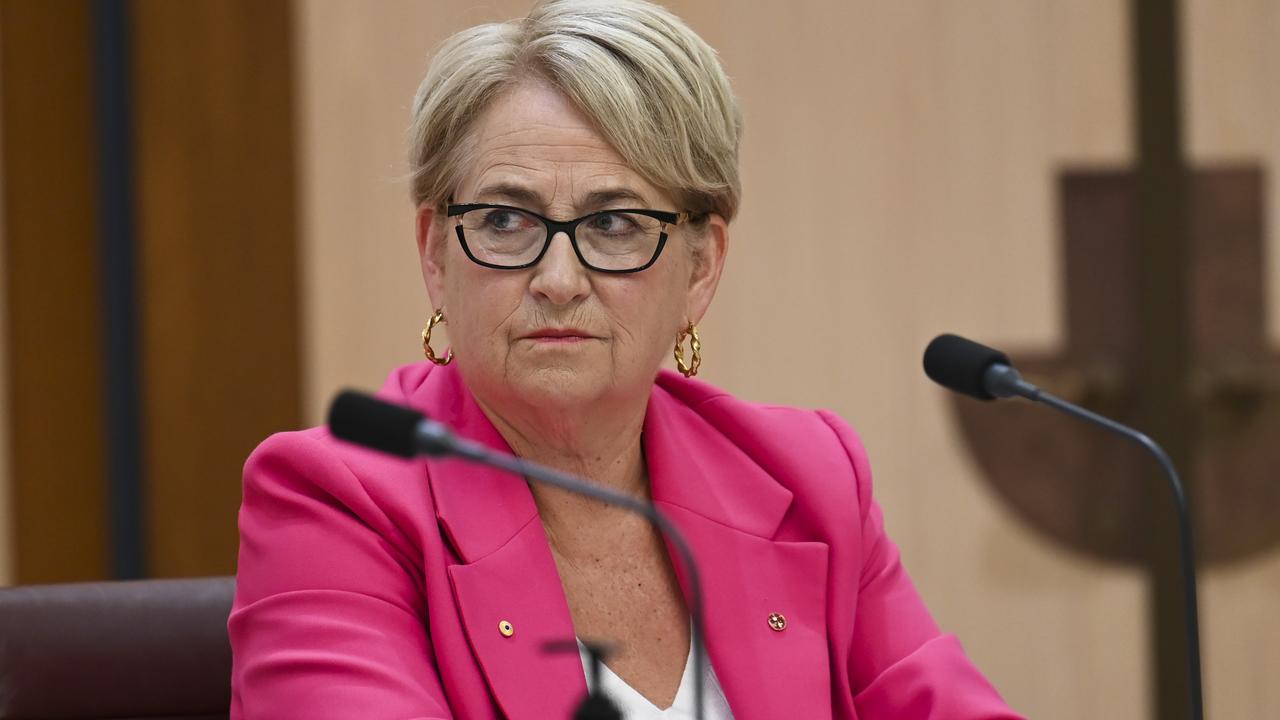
114,650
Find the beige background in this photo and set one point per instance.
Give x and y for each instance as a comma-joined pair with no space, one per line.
1233,54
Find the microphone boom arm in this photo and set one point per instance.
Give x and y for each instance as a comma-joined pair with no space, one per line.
1004,381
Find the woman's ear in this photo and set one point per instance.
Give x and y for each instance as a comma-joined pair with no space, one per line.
430,231
708,264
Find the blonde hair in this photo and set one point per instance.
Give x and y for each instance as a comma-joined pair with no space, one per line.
653,88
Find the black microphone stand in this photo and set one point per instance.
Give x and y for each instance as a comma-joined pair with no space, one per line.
596,705
1002,380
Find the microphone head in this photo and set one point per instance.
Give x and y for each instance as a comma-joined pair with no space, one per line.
365,420
961,365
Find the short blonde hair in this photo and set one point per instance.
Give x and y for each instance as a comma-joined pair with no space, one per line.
653,88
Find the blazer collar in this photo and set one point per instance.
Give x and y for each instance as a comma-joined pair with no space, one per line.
692,465
695,466
479,508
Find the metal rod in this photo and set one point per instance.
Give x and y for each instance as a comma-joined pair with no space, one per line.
1187,546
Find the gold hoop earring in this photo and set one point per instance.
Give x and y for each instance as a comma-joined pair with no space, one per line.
695,346
436,319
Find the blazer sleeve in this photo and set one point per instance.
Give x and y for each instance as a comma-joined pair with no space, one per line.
328,619
903,666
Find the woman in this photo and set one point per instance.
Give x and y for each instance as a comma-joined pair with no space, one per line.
575,173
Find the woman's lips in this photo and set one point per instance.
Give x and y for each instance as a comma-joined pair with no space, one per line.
558,336
560,340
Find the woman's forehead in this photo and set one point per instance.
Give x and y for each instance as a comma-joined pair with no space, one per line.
534,117
533,146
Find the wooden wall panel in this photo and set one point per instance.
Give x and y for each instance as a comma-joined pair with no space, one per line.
924,140
6,482
52,293
218,290
1233,98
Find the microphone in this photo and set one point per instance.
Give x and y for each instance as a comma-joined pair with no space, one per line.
973,369
394,429
397,430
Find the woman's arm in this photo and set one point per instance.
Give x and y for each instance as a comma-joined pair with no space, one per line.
902,665
328,620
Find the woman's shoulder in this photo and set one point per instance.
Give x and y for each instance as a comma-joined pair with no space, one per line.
314,457
403,386
760,421
804,449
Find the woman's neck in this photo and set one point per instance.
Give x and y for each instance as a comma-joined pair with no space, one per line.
602,445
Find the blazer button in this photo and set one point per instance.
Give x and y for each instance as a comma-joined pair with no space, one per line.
777,621
505,627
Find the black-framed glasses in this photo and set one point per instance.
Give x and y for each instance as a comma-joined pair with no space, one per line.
610,241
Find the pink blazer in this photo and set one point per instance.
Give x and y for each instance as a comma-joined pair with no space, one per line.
373,587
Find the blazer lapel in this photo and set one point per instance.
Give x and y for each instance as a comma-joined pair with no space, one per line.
507,588
512,606
729,508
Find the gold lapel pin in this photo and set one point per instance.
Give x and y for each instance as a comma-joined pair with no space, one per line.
777,621
505,627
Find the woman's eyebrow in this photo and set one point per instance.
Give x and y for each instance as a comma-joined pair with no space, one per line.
608,196
531,199
515,194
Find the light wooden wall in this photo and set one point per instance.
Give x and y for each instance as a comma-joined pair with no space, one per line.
899,163
1232,56
926,136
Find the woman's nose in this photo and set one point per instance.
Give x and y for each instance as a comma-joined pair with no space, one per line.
560,277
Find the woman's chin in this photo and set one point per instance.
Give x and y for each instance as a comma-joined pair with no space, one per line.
559,386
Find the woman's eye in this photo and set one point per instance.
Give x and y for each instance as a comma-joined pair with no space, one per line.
506,220
613,223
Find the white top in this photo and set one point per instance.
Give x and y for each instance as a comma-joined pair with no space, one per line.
635,706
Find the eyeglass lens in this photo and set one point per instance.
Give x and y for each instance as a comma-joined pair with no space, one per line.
507,237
